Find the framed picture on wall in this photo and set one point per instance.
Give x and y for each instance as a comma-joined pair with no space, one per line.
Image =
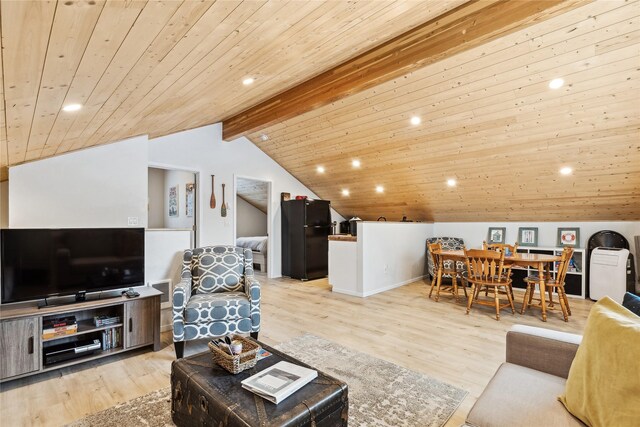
568,236
496,235
173,201
190,197
528,236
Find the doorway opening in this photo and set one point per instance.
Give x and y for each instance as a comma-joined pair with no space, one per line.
252,224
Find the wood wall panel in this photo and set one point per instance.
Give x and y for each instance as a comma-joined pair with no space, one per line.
490,121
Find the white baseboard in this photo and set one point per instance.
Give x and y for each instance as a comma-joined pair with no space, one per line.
347,292
395,285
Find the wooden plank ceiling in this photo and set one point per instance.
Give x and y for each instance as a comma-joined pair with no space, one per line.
490,121
253,192
157,67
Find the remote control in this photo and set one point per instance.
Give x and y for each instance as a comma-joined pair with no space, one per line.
131,293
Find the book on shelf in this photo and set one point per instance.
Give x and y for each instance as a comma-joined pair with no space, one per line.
104,320
59,331
279,381
58,322
111,338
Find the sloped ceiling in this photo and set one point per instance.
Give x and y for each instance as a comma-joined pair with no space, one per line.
489,119
253,192
491,122
157,67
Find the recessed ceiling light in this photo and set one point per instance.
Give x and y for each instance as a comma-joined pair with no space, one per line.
415,120
248,81
355,163
451,182
556,83
345,192
72,107
320,169
379,189
264,137
566,170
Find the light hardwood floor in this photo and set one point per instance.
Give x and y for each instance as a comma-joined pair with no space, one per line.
402,326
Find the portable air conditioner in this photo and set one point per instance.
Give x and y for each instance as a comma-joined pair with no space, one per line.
608,273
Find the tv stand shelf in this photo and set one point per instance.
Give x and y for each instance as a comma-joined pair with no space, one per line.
22,346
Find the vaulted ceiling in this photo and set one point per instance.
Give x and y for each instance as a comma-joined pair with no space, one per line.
253,192
488,117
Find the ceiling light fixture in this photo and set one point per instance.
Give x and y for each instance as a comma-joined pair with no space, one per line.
345,192
264,137
415,120
556,83
379,189
320,169
355,163
451,182
72,107
248,81
566,170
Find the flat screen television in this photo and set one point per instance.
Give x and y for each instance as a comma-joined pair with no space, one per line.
43,263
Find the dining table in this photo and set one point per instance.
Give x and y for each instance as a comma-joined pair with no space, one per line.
542,262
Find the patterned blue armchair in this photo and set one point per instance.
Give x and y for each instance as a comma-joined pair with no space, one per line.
218,295
448,244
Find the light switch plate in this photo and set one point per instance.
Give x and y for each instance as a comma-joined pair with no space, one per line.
132,220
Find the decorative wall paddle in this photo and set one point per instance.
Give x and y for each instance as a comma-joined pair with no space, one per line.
223,209
212,201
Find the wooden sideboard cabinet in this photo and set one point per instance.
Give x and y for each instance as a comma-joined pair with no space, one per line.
22,346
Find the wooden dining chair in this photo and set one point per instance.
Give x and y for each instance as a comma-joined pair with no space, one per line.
500,247
556,284
487,269
443,267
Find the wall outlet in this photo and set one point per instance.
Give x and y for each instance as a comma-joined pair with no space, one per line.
132,220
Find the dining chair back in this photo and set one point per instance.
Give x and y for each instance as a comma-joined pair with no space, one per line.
504,247
487,270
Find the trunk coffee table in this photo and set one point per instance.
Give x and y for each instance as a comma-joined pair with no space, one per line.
204,394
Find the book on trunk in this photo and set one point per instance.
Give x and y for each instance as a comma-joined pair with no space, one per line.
279,381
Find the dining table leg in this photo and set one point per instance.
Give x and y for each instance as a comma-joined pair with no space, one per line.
543,303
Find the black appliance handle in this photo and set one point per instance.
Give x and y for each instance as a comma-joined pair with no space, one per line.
317,226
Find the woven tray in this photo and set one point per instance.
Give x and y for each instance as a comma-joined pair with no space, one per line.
238,363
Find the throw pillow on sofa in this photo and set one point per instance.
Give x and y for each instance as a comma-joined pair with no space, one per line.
603,384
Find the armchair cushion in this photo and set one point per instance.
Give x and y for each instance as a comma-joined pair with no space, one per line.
448,244
218,269
203,308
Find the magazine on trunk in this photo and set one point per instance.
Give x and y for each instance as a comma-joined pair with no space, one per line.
279,381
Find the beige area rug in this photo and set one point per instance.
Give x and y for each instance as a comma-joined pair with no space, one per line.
380,393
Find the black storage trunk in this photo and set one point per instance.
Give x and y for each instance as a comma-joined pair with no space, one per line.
204,394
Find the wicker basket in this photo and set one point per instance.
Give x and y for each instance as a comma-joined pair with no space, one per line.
238,363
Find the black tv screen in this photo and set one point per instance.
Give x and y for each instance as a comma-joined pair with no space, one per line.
41,263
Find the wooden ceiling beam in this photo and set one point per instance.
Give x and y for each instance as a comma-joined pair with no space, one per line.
463,28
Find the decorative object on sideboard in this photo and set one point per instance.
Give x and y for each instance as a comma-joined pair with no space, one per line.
528,236
173,201
189,198
223,208
568,236
496,235
212,200
285,196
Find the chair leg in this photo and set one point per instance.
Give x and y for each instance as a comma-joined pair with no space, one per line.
550,288
566,301
525,302
470,299
454,286
433,282
510,298
563,307
438,283
254,335
464,287
179,347
497,300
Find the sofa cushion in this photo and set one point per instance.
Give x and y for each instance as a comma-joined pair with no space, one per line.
519,396
631,302
218,269
603,378
217,306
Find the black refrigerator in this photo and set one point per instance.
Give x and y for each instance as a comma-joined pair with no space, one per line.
306,225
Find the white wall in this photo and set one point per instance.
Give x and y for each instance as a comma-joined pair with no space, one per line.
202,150
97,187
390,254
4,204
474,233
251,221
180,179
156,198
